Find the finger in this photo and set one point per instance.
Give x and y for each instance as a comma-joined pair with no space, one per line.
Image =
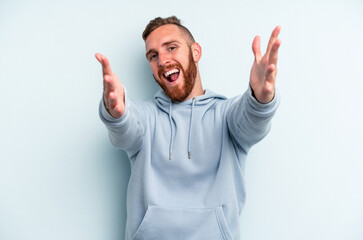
256,48
273,38
108,84
112,100
270,79
106,67
98,57
269,88
115,104
274,52
270,73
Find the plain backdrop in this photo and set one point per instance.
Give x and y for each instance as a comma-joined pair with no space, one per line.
60,178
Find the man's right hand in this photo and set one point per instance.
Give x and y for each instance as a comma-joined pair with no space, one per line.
113,91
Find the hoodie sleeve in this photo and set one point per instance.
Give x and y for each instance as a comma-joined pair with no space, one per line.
249,120
127,131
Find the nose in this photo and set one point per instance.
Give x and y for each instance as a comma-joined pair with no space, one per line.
163,60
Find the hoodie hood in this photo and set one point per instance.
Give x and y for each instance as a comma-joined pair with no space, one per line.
166,104
164,101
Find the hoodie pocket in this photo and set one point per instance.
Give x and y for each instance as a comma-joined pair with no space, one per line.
165,223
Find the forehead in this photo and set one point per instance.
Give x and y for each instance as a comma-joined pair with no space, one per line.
163,34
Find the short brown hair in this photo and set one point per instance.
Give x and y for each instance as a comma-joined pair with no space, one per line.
158,22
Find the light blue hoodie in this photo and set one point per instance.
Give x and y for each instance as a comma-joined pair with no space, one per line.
187,163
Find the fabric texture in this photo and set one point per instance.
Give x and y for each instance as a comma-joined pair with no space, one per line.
187,162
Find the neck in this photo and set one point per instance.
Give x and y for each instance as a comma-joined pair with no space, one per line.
197,89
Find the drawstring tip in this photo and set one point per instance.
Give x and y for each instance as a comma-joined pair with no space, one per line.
189,155
169,156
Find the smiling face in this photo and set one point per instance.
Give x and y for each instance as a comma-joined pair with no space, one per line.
173,61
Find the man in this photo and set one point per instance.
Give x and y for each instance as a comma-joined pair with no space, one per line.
188,146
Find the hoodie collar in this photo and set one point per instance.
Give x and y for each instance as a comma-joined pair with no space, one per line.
163,101
166,105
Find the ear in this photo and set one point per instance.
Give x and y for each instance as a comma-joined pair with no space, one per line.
197,51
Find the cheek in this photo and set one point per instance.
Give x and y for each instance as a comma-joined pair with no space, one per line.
154,69
185,62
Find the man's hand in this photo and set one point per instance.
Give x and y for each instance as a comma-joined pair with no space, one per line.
113,91
264,70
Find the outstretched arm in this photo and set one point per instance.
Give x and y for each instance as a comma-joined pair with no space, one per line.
125,125
113,91
249,118
264,70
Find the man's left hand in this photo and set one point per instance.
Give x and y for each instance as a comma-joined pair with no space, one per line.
264,70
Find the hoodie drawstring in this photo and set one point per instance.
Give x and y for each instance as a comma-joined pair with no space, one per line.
171,131
190,127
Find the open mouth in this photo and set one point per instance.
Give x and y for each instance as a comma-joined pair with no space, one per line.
172,75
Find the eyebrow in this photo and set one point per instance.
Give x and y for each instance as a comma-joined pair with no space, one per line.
164,44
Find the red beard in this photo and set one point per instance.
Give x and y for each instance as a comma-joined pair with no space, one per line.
181,92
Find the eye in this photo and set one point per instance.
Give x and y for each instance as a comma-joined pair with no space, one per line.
152,56
171,48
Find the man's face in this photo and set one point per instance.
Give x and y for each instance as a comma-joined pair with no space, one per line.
171,61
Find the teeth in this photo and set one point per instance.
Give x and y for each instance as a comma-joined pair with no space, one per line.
167,74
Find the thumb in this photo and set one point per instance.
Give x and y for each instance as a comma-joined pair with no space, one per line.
106,67
99,57
256,48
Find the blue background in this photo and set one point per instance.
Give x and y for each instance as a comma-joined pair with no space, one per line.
60,178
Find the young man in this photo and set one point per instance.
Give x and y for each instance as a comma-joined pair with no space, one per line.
188,146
